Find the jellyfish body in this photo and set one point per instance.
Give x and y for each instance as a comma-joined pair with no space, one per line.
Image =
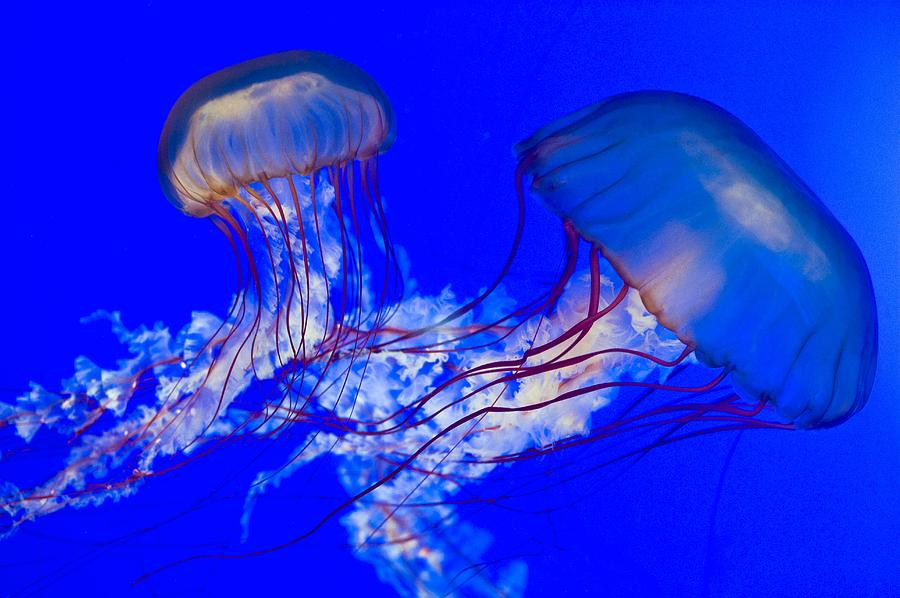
248,137
419,395
289,113
727,246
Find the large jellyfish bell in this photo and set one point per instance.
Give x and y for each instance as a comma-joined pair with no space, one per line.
727,246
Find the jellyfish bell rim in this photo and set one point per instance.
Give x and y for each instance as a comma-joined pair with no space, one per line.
240,77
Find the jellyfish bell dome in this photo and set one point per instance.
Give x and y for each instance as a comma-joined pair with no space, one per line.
274,116
726,245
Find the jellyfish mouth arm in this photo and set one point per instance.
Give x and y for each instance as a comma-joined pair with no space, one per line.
383,383
292,257
195,374
436,428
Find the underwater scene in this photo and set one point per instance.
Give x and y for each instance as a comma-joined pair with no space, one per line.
473,299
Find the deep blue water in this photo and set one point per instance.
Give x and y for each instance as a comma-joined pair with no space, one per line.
87,227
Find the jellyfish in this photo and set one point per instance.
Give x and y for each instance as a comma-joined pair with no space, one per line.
725,244
251,133
327,347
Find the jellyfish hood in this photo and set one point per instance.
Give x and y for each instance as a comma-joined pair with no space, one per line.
726,245
282,114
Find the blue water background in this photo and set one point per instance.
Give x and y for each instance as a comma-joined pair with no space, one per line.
85,93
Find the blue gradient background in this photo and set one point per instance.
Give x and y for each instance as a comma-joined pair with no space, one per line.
85,226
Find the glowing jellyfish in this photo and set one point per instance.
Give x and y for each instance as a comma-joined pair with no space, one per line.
326,347
280,153
286,118
727,246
